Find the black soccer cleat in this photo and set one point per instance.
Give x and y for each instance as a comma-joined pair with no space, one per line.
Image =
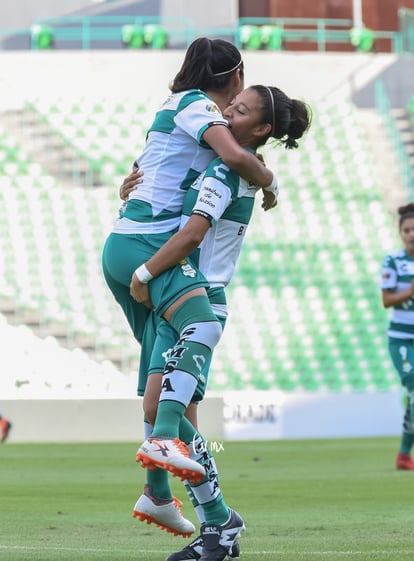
193,551
218,540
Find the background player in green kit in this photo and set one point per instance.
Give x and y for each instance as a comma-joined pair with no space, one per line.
217,209
397,284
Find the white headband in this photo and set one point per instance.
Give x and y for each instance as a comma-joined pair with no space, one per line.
228,71
273,111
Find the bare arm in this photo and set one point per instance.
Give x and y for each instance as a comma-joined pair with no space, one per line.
179,246
390,298
220,139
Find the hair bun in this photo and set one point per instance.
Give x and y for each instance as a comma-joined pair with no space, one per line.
290,143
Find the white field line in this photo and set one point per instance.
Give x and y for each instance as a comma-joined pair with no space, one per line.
351,554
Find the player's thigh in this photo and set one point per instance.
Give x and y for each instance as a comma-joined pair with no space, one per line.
135,313
174,284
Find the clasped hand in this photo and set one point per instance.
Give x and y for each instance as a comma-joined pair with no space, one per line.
139,292
269,200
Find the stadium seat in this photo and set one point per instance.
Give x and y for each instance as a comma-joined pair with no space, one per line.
155,36
133,36
272,37
304,304
250,37
362,38
42,37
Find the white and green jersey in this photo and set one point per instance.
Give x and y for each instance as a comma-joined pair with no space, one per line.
396,274
174,155
227,200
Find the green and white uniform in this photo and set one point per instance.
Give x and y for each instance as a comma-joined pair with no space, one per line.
227,201
174,155
396,275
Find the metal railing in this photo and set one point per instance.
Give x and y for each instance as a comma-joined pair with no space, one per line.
85,32
320,31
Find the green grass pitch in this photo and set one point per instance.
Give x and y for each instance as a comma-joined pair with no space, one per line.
311,500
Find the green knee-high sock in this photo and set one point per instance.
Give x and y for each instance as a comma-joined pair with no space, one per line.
169,415
178,386
157,479
159,484
199,331
207,493
407,441
407,438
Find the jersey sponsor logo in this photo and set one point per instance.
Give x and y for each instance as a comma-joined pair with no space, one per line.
210,192
212,108
408,304
219,169
405,267
187,269
206,201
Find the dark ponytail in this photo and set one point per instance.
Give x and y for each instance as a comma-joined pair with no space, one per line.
290,118
208,65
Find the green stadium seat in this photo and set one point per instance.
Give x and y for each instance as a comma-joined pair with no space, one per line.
272,37
362,38
133,36
155,36
42,37
250,37
304,304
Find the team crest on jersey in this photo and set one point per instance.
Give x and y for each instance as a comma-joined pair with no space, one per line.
187,269
212,108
